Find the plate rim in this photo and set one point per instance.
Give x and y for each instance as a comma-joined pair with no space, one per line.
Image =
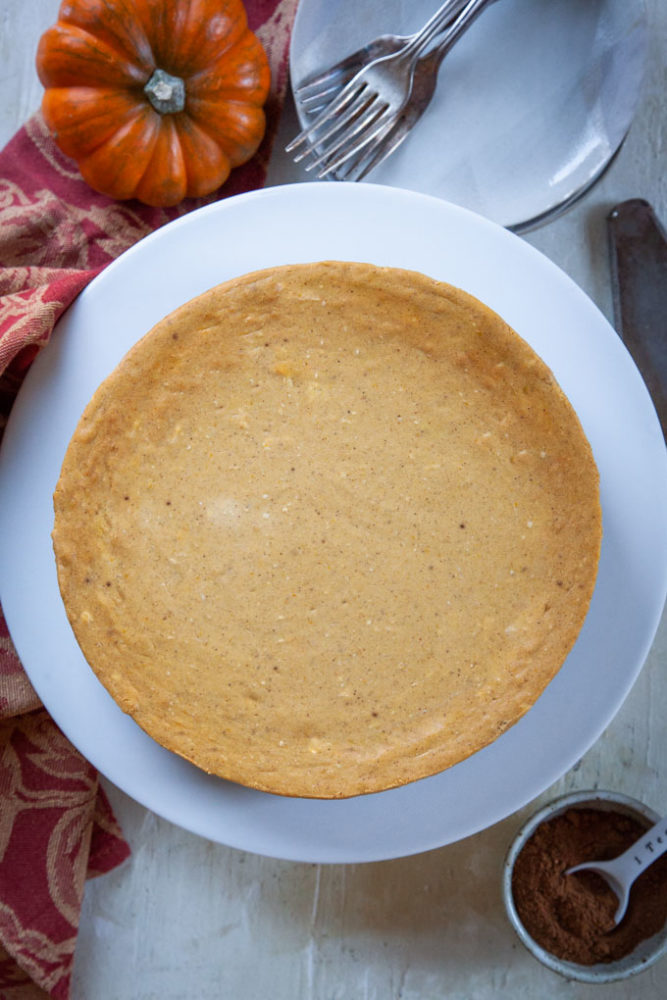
569,197
350,195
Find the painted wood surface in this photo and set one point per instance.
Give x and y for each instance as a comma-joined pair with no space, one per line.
186,918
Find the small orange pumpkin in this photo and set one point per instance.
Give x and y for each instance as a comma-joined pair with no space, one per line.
154,99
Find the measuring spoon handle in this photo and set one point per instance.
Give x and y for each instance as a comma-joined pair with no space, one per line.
650,846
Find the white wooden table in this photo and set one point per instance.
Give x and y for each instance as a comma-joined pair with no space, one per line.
186,918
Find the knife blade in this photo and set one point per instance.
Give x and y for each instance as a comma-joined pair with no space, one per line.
638,248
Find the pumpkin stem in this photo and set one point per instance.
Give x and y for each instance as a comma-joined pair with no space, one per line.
165,92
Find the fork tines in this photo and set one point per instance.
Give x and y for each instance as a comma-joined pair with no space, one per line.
335,112
342,131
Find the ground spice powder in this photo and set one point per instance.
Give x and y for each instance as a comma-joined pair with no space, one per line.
572,916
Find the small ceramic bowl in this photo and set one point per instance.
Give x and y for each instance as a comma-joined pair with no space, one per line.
645,954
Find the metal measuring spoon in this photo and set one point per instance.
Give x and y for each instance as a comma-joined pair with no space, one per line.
621,872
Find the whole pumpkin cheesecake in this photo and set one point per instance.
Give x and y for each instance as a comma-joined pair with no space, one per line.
328,529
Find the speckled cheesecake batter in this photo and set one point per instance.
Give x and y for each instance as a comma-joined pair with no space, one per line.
328,529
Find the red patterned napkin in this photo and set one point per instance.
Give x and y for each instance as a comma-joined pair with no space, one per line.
56,825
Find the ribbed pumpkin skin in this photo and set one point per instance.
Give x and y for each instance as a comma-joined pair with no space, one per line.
94,64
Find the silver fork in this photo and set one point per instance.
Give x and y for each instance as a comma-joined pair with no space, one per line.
369,104
318,89
424,84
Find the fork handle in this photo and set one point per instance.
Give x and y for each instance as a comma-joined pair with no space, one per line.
442,17
468,12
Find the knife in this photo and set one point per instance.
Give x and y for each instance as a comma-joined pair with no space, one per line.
638,247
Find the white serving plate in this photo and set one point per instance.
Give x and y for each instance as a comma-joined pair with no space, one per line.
531,106
384,226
